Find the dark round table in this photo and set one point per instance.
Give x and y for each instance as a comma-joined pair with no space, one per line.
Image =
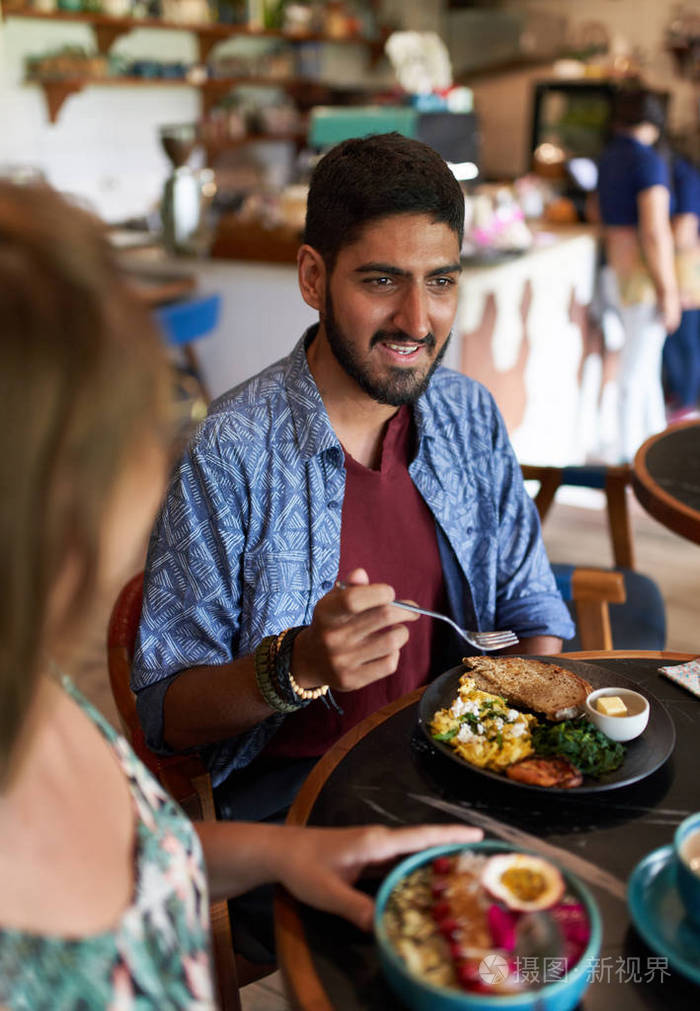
666,478
385,771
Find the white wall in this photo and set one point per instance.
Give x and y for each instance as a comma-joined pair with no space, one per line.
104,146
262,317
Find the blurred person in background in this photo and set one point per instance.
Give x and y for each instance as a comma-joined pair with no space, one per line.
104,883
634,193
681,354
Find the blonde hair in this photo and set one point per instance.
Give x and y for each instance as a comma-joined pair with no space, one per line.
81,372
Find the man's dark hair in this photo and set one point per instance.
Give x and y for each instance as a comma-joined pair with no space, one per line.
633,106
368,178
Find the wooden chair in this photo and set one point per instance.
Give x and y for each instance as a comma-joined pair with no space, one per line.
183,776
589,592
614,608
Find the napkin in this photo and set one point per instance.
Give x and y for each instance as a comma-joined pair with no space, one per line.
687,675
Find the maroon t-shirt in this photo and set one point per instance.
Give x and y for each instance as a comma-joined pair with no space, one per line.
388,530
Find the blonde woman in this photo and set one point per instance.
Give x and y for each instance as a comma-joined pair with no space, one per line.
104,884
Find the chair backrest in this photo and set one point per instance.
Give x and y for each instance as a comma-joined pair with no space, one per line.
612,480
184,776
121,636
591,591
637,617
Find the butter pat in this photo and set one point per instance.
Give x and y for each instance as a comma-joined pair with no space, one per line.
611,705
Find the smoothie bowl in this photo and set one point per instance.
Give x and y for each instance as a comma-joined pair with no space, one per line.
486,927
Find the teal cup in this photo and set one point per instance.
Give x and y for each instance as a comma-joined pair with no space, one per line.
686,844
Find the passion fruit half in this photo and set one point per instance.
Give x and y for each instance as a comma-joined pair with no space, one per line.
523,882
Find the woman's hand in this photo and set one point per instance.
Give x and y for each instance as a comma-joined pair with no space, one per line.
320,865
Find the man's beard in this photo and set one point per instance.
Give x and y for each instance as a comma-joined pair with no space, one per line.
400,385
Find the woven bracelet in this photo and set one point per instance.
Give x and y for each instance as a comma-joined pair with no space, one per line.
280,672
265,670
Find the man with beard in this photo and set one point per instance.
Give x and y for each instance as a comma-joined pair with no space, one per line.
353,472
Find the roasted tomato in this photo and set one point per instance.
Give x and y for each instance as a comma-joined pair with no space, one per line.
554,771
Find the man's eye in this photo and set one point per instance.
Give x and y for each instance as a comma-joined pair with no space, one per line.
379,282
443,282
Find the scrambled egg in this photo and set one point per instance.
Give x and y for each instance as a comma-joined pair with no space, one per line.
483,729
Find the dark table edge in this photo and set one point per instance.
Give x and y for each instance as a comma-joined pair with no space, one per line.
304,987
669,511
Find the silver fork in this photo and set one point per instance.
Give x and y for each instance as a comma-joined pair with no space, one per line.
482,640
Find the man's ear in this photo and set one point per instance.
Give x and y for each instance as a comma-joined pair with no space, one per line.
312,276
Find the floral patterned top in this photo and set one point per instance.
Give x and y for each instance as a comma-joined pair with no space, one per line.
158,958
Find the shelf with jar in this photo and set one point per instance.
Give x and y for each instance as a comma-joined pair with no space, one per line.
237,121
110,19
59,87
70,69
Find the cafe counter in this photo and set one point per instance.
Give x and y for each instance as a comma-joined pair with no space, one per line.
520,330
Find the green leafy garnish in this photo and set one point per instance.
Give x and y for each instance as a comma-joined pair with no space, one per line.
584,745
447,735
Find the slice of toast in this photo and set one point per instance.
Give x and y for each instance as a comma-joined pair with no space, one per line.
556,693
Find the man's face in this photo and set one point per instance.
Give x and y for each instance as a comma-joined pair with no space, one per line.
390,304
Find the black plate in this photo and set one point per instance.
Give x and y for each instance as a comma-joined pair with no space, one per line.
643,755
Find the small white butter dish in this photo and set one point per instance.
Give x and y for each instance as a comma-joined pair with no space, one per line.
619,728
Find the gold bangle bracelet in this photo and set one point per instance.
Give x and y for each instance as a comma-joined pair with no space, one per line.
307,693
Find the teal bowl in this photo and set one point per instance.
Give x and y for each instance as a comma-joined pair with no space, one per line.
688,881
561,995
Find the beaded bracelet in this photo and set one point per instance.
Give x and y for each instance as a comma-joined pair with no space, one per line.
282,664
276,682
284,659
307,693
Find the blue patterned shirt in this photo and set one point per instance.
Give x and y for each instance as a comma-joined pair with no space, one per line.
249,537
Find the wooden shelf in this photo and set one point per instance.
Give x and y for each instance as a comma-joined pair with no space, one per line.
214,88
57,90
107,29
214,148
306,91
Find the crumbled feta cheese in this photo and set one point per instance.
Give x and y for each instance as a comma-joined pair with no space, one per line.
512,715
480,728
465,733
518,729
498,723
458,707
462,707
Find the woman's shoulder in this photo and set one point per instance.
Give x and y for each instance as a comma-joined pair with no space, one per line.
166,898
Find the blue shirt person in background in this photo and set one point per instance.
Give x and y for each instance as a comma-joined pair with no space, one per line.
681,354
634,196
